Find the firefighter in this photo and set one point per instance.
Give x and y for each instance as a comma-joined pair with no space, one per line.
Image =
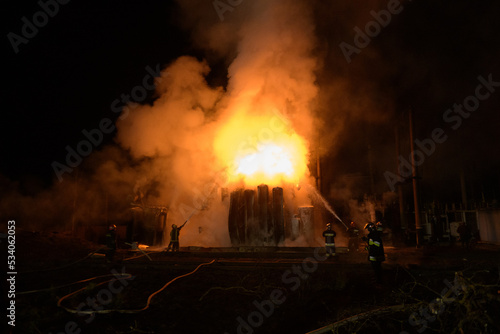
174,237
329,236
111,243
353,232
375,248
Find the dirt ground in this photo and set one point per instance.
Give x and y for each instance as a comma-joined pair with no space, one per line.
433,288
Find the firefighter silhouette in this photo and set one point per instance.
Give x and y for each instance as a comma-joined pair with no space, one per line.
329,236
174,237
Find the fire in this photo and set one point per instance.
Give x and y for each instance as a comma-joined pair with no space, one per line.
269,159
261,150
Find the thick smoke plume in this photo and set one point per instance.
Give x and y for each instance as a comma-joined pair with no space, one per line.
272,72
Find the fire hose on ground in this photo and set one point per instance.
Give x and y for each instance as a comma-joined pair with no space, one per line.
80,312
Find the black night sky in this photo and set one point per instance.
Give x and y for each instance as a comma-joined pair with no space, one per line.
65,78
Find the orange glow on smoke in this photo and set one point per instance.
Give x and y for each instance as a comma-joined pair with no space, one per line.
261,150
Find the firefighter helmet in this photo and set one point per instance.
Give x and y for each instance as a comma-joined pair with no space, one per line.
379,226
112,227
329,226
174,226
370,227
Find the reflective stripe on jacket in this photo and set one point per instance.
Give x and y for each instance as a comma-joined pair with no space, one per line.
329,237
375,247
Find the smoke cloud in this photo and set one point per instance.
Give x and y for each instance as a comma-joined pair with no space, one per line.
272,71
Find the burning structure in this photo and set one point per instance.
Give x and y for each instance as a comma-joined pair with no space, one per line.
267,162
261,218
255,217
251,137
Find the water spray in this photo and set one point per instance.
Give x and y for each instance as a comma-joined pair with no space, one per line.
191,215
204,204
325,203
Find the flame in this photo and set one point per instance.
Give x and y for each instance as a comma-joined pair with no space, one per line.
261,150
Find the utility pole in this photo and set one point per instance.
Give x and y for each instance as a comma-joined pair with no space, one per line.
418,223
318,169
399,185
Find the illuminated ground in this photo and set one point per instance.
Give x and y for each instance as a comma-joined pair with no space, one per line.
234,293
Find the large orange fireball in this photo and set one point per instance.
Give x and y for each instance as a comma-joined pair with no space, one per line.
261,150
